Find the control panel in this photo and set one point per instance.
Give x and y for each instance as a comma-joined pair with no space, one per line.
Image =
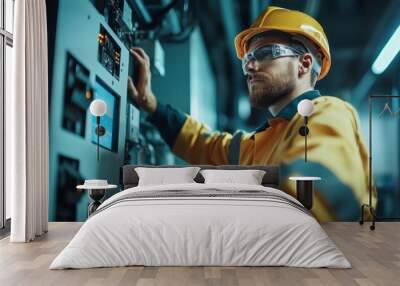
109,52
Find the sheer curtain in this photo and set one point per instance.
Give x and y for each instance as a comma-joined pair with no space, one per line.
27,124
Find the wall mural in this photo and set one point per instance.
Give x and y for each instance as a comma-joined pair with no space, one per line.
90,58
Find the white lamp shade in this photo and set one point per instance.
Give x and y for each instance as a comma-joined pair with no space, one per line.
98,107
305,107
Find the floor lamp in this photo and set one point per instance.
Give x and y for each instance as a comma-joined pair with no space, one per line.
98,108
369,205
305,108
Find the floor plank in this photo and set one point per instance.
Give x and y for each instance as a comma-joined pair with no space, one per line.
374,255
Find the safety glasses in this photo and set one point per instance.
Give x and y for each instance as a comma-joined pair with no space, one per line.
267,52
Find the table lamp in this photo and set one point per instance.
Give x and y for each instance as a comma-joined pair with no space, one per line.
305,108
98,108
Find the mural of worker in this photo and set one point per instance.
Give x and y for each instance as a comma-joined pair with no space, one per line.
284,53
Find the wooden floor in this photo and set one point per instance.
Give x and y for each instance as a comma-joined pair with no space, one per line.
375,257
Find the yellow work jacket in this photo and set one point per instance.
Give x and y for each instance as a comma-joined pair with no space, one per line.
336,151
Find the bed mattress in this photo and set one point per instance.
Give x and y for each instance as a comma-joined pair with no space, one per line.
201,225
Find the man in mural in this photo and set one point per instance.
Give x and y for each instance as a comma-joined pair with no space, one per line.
284,53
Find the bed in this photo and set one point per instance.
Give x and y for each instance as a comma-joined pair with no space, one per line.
197,224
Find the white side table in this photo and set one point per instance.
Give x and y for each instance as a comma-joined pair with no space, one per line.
96,193
304,189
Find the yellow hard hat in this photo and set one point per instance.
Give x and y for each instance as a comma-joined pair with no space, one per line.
288,21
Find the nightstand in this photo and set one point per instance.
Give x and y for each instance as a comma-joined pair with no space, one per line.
96,193
304,189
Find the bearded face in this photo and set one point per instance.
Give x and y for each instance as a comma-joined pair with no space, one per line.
271,82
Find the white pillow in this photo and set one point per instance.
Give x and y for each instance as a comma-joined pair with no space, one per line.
249,177
163,176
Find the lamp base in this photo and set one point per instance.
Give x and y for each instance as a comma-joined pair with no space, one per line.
304,189
100,130
303,131
96,195
372,212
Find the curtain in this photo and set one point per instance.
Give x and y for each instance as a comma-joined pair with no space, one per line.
27,124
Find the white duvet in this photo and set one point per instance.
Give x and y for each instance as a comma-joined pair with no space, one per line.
183,231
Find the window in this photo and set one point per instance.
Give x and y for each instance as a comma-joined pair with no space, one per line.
6,65
9,13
